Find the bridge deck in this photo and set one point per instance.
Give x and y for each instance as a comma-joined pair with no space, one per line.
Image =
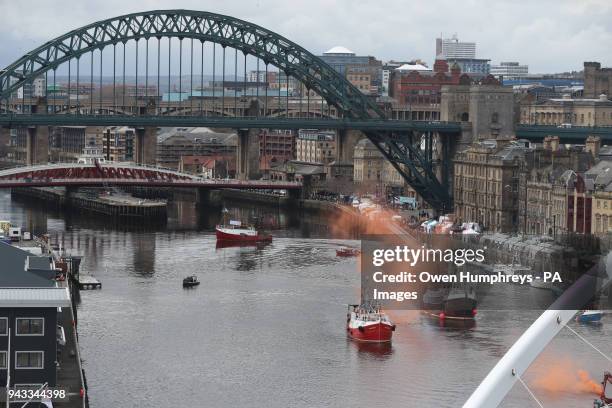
14,120
574,134
124,174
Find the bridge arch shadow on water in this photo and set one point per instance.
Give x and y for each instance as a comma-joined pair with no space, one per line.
209,41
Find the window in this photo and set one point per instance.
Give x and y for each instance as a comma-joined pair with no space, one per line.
3,326
29,359
30,326
2,360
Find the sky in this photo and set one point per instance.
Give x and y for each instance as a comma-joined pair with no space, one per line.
548,35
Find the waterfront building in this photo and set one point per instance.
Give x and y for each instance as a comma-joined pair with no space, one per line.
558,204
372,173
294,170
316,146
568,110
601,177
118,143
548,196
509,70
215,166
485,184
173,143
275,147
368,165
66,143
597,80
91,155
34,309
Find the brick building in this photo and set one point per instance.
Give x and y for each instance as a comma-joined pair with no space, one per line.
213,166
550,187
275,147
415,84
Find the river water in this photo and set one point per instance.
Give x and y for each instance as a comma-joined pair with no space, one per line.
266,326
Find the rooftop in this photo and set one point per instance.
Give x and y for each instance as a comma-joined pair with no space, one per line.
34,297
339,50
20,269
412,67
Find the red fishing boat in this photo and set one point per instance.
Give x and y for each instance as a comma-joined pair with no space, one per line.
368,324
236,232
348,252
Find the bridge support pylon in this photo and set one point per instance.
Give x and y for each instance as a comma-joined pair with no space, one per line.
5,140
202,196
145,145
37,145
247,163
345,145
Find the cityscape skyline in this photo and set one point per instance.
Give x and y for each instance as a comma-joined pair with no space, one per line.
502,38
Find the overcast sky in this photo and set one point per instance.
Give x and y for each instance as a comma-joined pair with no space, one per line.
548,35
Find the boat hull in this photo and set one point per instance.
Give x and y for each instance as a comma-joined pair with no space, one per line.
237,237
346,253
589,317
371,333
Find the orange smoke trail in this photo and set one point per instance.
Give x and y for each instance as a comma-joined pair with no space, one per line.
348,220
565,377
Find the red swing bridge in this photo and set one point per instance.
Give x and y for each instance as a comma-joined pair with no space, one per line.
125,174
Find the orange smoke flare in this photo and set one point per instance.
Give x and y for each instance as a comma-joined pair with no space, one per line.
565,377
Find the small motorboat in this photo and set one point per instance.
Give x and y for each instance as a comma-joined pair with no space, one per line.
589,316
454,302
347,252
190,281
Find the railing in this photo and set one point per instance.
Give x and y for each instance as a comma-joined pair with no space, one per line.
214,182
254,121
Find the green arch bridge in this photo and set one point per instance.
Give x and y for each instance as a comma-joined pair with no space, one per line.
149,42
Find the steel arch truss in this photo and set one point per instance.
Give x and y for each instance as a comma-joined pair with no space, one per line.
251,39
413,156
224,30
